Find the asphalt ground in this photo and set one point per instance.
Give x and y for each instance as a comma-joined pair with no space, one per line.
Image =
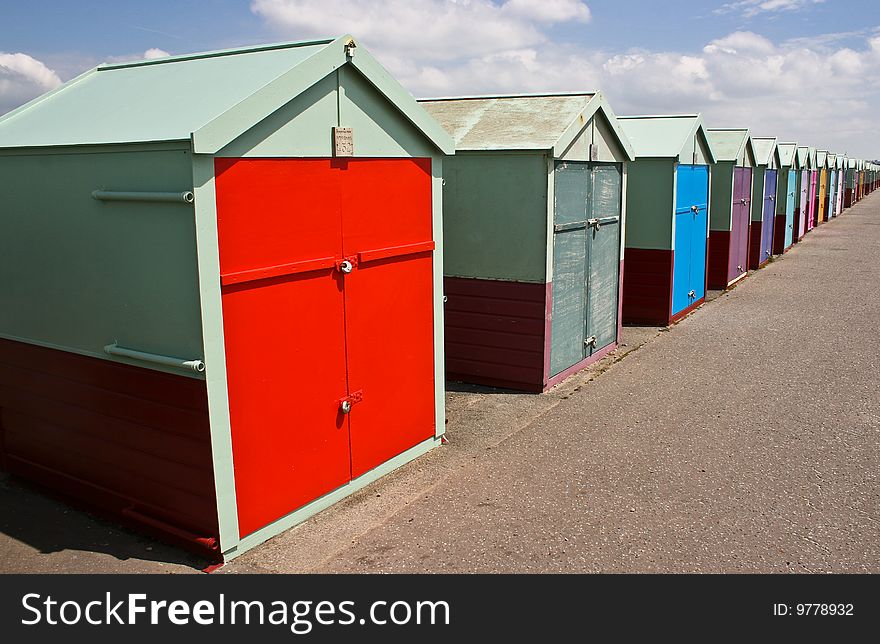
746,438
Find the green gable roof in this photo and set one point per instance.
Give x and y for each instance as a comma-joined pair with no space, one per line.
765,148
787,154
728,144
210,98
521,122
664,136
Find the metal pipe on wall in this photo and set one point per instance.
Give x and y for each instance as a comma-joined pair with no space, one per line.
161,197
194,365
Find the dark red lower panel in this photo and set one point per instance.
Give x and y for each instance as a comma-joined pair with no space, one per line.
755,246
131,444
647,286
495,332
719,259
779,235
848,198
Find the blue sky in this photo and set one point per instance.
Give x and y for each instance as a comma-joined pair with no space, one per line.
797,69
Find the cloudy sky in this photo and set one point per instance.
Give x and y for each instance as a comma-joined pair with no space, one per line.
804,70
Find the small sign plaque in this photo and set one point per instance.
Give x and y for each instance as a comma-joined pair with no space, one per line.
343,142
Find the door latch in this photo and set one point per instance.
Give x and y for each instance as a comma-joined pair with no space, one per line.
594,223
350,401
692,294
346,266
591,341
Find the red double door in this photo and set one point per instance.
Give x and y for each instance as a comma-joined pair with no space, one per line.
327,282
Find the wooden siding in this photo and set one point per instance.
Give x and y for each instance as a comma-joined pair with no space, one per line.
130,443
495,332
647,286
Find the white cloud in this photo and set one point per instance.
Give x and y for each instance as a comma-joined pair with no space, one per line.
155,52
23,78
434,30
150,54
812,90
752,8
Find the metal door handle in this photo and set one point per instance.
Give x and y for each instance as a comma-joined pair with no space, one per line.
346,267
591,341
739,268
595,223
695,208
692,294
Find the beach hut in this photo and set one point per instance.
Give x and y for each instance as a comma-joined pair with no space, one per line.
227,310
763,200
667,223
841,184
731,206
832,186
849,197
786,198
533,221
802,161
821,204
813,194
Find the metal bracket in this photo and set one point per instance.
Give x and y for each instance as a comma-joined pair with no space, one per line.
594,223
345,404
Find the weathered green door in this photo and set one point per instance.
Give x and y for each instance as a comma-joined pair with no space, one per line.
586,247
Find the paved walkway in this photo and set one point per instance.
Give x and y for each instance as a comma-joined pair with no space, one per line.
746,438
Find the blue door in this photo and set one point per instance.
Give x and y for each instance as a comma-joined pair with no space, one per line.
768,215
791,196
691,230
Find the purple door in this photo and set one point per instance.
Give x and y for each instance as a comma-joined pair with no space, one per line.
739,230
768,215
802,210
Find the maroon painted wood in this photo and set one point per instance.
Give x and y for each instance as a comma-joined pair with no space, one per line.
129,443
755,247
647,286
719,259
495,332
779,235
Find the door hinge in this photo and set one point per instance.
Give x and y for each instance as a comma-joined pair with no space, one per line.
345,404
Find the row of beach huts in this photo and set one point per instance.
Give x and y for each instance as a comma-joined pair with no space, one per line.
233,285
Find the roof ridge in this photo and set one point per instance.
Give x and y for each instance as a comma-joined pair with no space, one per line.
214,54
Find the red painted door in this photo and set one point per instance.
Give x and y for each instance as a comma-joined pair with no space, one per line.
386,216
301,335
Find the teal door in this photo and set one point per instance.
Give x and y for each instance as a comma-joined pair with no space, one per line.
586,261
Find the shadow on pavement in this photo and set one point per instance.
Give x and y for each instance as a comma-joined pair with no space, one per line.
32,518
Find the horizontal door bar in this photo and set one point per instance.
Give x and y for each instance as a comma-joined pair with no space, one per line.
394,251
277,271
575,225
